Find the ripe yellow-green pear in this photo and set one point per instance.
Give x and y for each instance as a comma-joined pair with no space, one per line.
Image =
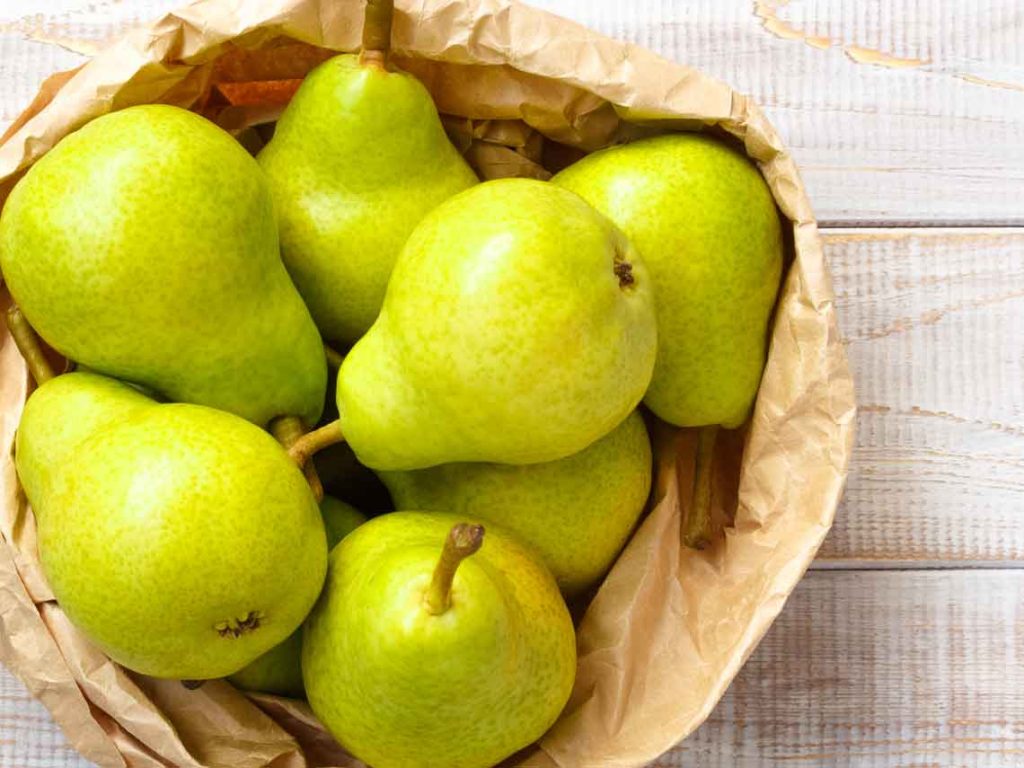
577,512
357,160
144,246
705,223
426,648
182,540
518,327
59,416
279,670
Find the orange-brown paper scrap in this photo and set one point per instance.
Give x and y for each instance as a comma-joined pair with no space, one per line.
523,93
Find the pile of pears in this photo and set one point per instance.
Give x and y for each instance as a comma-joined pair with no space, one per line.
502,347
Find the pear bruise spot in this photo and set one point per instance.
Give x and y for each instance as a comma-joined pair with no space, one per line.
624,271
234,628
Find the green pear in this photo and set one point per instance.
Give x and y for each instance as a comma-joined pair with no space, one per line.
340,519
424,651
58,416
704,220
577,512
144,245
182,540
357,160
279,670
518,327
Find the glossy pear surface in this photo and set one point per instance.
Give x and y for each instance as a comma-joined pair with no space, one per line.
183,541
144,245
58,416
400,686
518,327
279,670
357,160
577,512
706,225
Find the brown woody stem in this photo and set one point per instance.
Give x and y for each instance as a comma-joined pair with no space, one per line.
303,448
697,530
463,540
377,32
287,430
334,358
27,342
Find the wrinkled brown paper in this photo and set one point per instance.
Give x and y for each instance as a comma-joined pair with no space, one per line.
523,93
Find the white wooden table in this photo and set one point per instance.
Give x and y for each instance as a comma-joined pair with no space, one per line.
904,646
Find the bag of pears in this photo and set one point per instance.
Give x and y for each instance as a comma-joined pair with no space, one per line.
749,404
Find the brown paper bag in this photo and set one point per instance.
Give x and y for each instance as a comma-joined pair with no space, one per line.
523,93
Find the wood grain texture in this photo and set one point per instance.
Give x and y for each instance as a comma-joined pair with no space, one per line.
934,322
891,669
898,111
28,736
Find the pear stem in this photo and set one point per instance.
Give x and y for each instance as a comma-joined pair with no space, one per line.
27,342
287,430
377,33
334,358
463,540
697,529
304,447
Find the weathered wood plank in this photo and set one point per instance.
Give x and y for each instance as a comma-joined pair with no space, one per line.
935,322
898,112
28,736
879,670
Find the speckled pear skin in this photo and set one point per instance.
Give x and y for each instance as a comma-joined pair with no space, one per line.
61,414
183,541
576,512
506,335
402,688
144,246
279,670
357,160
705,223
